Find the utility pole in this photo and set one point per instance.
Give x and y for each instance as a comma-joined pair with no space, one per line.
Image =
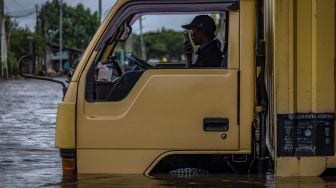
99,10
4,69
61,38
31,46
1,18
142,43
43,34
37,19
37,31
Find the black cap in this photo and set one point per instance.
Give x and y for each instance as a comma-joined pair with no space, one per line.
204,22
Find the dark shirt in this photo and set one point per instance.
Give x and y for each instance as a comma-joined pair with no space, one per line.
209,55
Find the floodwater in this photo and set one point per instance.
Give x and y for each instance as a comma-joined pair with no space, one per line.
28,157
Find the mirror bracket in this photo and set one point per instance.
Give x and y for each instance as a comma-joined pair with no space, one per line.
127,30
31,76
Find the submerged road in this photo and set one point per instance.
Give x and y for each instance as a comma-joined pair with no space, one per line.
28,157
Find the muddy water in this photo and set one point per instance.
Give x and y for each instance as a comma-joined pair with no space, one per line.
28,157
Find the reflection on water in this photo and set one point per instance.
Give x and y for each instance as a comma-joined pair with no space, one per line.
171,181
219,180
28,157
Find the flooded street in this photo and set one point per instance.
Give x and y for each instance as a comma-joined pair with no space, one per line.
27,121
28,157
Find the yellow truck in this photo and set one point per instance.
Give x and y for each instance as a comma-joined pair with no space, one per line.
271,107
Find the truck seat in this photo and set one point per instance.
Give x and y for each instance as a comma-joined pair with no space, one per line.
125,84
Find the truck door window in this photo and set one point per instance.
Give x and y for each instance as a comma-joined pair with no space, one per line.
150,41
159,40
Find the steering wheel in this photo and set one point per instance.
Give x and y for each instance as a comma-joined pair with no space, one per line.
141,63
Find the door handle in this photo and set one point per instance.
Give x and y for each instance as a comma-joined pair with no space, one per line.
213,124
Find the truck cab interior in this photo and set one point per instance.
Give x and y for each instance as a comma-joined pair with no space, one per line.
130,51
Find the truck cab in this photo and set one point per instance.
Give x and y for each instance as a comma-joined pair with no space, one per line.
123,114
143,114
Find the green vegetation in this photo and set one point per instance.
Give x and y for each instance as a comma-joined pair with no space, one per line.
163,43
167,43
79,25
17,40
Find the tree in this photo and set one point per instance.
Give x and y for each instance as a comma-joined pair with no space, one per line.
79,24
162,43
17,40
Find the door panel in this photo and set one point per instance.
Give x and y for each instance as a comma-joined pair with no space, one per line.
165,110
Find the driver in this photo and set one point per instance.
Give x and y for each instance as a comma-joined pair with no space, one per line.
203,34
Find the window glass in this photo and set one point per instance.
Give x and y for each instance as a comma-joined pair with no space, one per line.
151,41
159,39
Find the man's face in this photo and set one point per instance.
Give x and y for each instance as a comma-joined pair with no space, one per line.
197,35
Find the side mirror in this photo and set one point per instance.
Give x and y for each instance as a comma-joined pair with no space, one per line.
27,70
127,30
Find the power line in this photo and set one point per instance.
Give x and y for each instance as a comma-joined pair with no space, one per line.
21,13
22,10
18,4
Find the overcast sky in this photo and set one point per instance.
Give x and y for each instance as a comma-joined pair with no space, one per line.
19,7
150,23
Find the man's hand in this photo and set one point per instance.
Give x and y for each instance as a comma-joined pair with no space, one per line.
188,50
